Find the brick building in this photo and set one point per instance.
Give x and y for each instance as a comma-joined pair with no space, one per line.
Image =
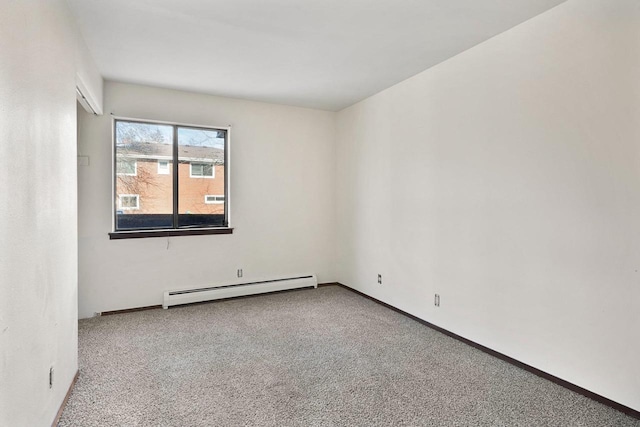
144,179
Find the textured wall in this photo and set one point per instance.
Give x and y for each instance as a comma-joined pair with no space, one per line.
39,47
507,179
282,189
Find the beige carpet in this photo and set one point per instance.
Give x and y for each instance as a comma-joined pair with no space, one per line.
325,357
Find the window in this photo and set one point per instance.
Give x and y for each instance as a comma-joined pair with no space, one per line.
212,199
163,167
148,203
127,167
129,201
202,170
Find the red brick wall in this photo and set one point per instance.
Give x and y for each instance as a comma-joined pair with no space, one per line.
155,190
191,191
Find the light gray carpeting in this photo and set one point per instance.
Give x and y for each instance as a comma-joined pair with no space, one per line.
325,357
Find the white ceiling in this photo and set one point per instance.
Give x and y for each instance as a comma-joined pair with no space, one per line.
324,54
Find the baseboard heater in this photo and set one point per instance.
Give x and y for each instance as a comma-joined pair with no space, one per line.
238,289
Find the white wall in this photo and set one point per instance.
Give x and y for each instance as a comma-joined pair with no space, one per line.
38,207
507,179
282,191
88,78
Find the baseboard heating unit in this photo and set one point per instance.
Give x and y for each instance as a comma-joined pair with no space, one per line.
237,289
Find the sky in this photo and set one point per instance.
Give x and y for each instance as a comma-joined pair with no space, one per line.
164,133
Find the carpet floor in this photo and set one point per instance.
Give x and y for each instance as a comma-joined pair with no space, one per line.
322,357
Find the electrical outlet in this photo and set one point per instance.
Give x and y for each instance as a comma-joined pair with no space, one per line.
51,377
380,279
436,300
239,272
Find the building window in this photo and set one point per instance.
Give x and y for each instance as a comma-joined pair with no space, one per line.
129,201
128,167
163,167
202,170
213,199
146,200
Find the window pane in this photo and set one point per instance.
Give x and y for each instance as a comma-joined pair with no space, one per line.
163,167
204,170
129,201
213,199
144,177
196,169
201,175
126,167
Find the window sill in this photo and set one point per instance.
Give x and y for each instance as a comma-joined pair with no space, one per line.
137,234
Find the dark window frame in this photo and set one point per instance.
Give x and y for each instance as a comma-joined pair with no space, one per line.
176,229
